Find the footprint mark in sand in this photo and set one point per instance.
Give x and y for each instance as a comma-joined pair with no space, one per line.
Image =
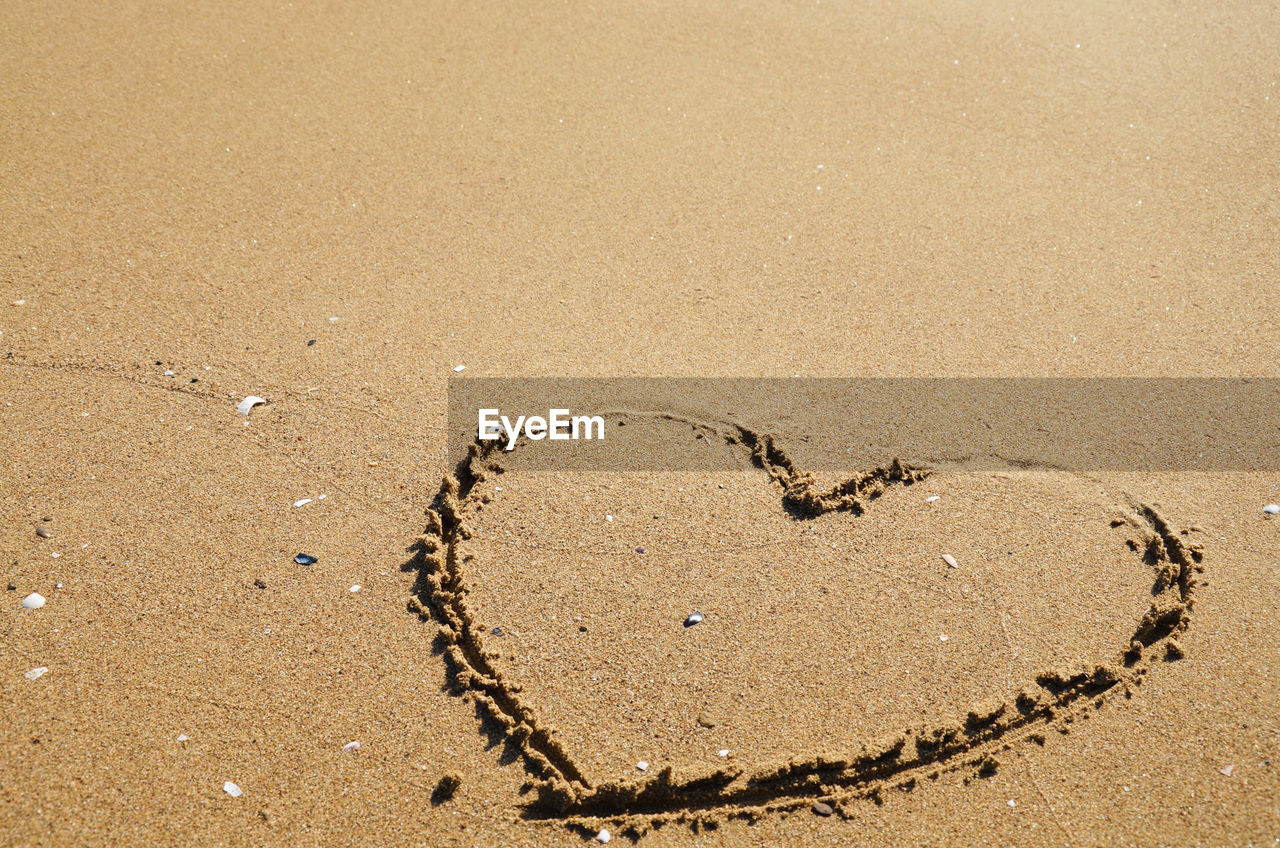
559,786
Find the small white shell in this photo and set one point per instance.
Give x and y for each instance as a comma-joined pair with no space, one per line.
33,601
1272,509
351,747
232,790
37,673
642,765
249,403
931,498
950,561
302,502
603,836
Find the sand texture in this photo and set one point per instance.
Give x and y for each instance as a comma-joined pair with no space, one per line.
333,207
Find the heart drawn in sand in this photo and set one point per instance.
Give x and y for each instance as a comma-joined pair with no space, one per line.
841,656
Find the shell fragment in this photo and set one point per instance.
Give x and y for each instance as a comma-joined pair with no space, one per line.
249,403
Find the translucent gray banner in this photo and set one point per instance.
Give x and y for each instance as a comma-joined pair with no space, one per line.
838,424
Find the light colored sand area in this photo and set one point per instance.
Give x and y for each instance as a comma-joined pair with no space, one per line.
588,190
819,635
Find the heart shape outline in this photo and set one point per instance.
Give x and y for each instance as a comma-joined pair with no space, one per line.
560,789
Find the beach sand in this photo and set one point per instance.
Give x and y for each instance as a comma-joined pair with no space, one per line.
334,207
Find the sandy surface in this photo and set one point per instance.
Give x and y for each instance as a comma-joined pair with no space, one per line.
766,190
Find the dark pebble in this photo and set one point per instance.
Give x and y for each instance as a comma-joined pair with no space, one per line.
310,342
260,583
821,809
12,585
195,379
43,532
304,559
497,631
639,550
582,628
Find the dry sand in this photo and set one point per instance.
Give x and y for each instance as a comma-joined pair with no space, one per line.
767,190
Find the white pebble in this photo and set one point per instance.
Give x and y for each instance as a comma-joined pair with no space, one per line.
603,836
608,518
232,790
642,765
458,369
168,373
1272,509
351,747
182,737
355,588
333,320
54,554
942,638
37,673
724,752
950,561
1012,803
931,498
33,601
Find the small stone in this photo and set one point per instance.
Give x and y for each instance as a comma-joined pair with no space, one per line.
310,342
694,618
12,585
182,737
931,498
950,561
33,601
639,550
603,836
1227,770
608,518
305,559
43,532
260,583
458,369
232,790
37,673
351,747
821,809
705,719
354,589
723,752
446,787
1272,509
642,765
1012,803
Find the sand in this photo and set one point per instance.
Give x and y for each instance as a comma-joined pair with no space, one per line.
603,190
